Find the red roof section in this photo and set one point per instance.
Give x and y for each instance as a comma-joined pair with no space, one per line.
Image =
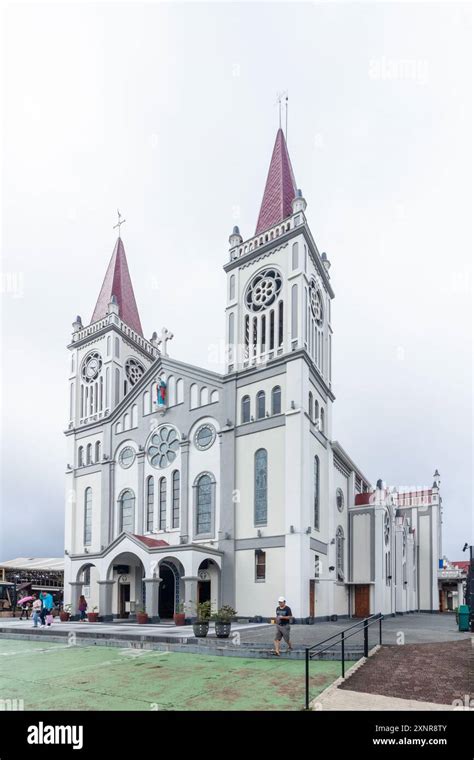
280,188
463,565
117,283
151,542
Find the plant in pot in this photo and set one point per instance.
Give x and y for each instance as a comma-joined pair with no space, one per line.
65,613
179,616
203,615
223,621
93,616
142,616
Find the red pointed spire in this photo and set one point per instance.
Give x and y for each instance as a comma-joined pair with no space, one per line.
280,188
117,283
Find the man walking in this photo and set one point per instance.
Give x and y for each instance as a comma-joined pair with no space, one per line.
283,617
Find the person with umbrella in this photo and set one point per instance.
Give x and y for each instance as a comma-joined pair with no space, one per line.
36,607
23,603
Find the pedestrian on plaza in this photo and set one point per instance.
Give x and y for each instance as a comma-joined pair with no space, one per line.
47,608
36,608
82,607
283,619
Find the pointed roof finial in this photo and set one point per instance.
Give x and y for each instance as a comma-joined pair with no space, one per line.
120,221
280,187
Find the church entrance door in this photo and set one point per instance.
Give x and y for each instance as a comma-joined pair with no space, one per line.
204,591
362,601
124,597
167,593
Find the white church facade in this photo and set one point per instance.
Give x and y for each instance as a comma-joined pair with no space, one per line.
184,484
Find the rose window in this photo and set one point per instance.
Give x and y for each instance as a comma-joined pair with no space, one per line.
263,290
163,447
134,370
316,302
91,367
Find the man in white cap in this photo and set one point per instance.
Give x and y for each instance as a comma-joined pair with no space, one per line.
283,617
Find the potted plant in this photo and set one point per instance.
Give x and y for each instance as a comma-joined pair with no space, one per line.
93,616
179,616
65,613
203,615
142,616
223,620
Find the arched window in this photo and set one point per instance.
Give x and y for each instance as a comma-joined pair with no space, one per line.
194,395
310,406
280,324
89,453
88,517
134,415
276,400
97,451
175,505
294,259
260,405
171,390
204,500
179,391
118,427
246,409
214,397
204,396
127,511
316,410
126,422
321,420
232,287
162,497
340,554
260,487
316,493
80,456
150,503
146,402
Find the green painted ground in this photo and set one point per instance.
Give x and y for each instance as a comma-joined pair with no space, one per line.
48,676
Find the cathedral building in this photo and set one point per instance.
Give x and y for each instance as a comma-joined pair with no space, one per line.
185,485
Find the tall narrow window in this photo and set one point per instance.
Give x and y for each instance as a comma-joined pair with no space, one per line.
80,456
232,287
127,511
294,257
276,400
321,422
97,451
179,391
254,335
204,505
280,324
175,511
316,411
194,396
247,334
340,554
310,406
294,312
162,520
89,453
231,333
272,330
260,483
263,333
88,517
260,405
316,493
117,347
260,565
150,503
246,409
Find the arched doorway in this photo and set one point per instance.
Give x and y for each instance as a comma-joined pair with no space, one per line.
166,606
128,595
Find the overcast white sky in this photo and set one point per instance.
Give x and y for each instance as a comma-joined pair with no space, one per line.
167,111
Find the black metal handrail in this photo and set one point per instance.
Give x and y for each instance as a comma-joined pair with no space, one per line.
360,625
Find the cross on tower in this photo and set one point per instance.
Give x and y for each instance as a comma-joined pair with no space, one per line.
166,335
120,221
280,96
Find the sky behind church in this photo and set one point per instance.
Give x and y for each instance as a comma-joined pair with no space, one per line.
167,111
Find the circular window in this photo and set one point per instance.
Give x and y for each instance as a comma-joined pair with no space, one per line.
127,457
263,290
134,370
316,301
340,499
163,447
205,437
91,366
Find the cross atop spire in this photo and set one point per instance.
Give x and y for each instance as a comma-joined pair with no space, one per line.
280,188
117,282
120,221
